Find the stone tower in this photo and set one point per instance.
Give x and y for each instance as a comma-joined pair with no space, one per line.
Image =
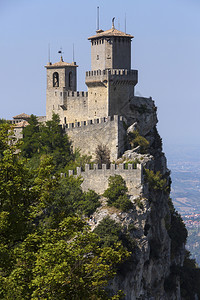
98,116
111,81
61,78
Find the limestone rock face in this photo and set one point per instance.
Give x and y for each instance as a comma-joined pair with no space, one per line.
144,275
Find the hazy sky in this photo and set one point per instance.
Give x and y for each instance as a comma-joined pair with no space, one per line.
165,50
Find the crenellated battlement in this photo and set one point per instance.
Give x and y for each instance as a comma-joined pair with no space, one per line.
76,94
96,177
94,122
122,72
115,75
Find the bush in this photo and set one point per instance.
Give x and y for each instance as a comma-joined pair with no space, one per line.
155,180
111,232
177,232
116,187
135,139
123,203
116,193
102,155
190,278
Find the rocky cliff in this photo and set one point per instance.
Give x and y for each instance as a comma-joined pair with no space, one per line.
152,224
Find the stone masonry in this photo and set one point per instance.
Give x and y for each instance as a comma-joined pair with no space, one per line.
110,94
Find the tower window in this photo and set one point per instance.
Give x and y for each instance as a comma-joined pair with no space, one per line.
70,79
55,79
97,57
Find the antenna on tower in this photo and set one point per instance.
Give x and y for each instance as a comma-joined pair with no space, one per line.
97,17
125,24
119,23
73,53
49,54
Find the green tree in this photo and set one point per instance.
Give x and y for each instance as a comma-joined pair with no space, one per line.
135,139
31,138
116,193
15,195
62,263
48,138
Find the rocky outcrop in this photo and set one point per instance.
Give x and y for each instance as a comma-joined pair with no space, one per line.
146,275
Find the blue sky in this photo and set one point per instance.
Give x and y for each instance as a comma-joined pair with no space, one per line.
165,50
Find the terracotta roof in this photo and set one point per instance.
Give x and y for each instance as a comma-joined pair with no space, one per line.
22,116
21,124
110,32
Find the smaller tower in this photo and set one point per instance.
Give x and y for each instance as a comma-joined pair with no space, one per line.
61,77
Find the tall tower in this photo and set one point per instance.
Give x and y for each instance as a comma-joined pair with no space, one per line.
111,81
61,78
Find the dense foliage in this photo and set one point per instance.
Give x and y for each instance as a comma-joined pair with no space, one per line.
47,138
46,249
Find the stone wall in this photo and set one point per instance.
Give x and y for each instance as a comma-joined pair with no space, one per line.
87,135
69,105
97,179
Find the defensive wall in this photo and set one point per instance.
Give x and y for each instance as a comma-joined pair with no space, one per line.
75,105
96,178
87,135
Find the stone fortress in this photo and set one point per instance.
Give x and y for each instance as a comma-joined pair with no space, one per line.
100,115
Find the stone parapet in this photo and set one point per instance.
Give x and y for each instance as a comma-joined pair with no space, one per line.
96,177
129,76
94,122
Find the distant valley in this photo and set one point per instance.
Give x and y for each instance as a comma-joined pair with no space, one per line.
184,163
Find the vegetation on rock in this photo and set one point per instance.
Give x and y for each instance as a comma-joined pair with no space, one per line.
135,139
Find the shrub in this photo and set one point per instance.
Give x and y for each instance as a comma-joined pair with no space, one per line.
116,187
123,203
116,193
190,278
155,180
102,155
177,232
135,139
111,232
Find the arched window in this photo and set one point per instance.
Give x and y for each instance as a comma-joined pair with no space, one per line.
70,79
55,79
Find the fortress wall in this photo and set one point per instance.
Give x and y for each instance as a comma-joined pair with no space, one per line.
69,105
97,179
97,100
76,106
87,135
